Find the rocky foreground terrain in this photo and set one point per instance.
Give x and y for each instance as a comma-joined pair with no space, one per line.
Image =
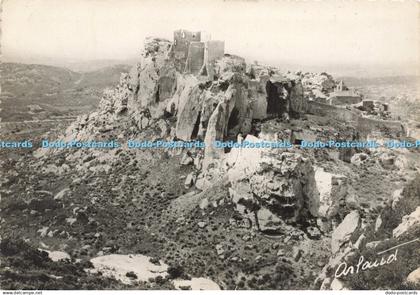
233,218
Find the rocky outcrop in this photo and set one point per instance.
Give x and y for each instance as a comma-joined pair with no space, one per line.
345,230
278,187
414,277
188,113
298,102
284,184
409,225
318,86
332,189
207,107
268,222
156,78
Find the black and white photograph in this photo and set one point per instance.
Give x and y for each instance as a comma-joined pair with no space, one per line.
209,145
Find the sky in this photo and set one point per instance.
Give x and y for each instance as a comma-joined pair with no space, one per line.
361,34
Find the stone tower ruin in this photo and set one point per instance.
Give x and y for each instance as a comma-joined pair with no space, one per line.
192,55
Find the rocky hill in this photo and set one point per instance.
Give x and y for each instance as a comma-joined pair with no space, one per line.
30,91
230,218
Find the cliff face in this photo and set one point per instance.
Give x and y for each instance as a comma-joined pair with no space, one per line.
218,105
207,107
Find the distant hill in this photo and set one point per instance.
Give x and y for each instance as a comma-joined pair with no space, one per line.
51,90
363,81
27,79
97,65
102,78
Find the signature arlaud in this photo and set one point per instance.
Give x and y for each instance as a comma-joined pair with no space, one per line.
363,264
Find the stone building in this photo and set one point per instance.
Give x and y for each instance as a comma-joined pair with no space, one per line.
344,97
214,49
195,58
194,55
182,40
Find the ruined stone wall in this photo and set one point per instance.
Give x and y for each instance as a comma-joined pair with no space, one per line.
341,114
182,40
195,58
364,126
388,128
344,99
214,49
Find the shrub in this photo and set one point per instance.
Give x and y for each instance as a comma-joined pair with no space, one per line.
175,271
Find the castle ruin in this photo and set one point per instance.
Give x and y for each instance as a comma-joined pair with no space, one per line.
194,55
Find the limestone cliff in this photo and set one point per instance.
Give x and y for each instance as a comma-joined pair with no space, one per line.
213,107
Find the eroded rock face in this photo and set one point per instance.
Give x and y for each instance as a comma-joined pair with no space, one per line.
283,183
207,107
409,225
298,103
156,77
277,186
332,189
215,131
189,113
314,82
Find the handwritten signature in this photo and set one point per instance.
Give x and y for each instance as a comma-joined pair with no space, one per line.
344,269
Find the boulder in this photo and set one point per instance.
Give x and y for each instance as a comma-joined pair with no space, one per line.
361,242
359,158
409,225
352,199
372,245
378,223
332,189
187,160
396,198
57,255
414,277
313,232
283,183
190,180
345,230
268,222
387,160
62,194
297,253
337,284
